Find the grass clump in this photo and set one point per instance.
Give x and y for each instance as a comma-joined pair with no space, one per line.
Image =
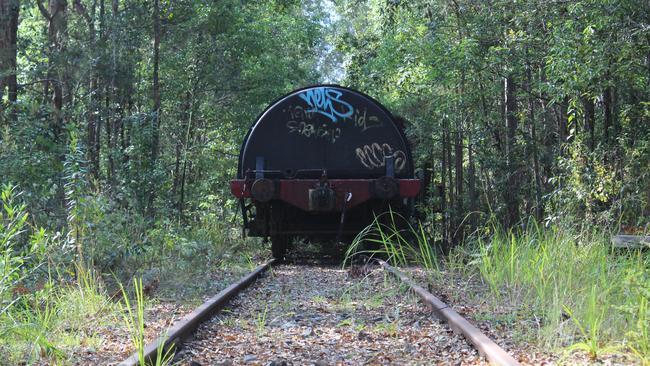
53,322
588,296
45,315
393,237
133,316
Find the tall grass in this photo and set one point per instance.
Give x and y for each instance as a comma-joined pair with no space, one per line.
51,322
394,238
133,316
588,296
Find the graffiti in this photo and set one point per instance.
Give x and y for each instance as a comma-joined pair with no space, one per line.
374,156
360,118
299,113
309,130
365,122
327,102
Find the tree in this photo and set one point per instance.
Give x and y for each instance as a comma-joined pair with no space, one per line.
9,11
57,19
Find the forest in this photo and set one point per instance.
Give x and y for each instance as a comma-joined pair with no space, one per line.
121,123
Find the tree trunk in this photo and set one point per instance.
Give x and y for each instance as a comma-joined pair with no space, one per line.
9,11
443,189
562,121
511,191
155,120
177,170
607,111
450,176
110,139
180,144
56,16
471,187
590,123
458,155
93,109
533,141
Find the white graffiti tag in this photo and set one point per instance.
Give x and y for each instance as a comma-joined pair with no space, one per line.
374,156
309,130
327,101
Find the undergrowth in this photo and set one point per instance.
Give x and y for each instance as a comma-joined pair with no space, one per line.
589,296
133,316
58,290
52,321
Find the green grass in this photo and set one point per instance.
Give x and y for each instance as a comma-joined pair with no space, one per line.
133,317
49,324
260,321
588,296
394,238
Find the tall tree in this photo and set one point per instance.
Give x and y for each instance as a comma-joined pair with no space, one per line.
155,113
511,191
9,11
57,18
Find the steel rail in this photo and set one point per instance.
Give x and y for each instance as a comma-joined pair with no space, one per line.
485,346
185,327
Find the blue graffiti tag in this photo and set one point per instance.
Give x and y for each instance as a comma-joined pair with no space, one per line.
326,101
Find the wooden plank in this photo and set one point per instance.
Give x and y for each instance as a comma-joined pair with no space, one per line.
631,241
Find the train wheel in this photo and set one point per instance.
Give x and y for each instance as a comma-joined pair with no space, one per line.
279,246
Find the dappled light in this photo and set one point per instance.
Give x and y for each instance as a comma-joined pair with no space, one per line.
154,153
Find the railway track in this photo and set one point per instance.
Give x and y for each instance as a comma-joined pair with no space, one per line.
323,315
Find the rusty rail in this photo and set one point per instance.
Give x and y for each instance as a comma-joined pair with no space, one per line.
186,326
485,346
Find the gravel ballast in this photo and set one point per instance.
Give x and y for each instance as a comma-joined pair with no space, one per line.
311,315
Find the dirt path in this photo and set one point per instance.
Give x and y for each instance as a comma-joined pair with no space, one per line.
304,315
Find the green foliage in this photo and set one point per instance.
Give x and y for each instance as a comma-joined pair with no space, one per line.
75,190
21,252
260,322
88,174
579,147
53,320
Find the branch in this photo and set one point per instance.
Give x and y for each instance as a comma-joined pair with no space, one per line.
81,9
44,11
36,82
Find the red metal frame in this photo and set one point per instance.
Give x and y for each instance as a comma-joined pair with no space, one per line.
296,191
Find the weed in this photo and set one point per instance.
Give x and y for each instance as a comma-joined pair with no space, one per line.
318,299
260,322
47,323
641,337
590,326
392,236
375,301
228,322
35,325
345,303
390,329
134,323
345,323
359,326
249,261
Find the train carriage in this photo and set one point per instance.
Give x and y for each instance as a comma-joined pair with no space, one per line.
320,162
